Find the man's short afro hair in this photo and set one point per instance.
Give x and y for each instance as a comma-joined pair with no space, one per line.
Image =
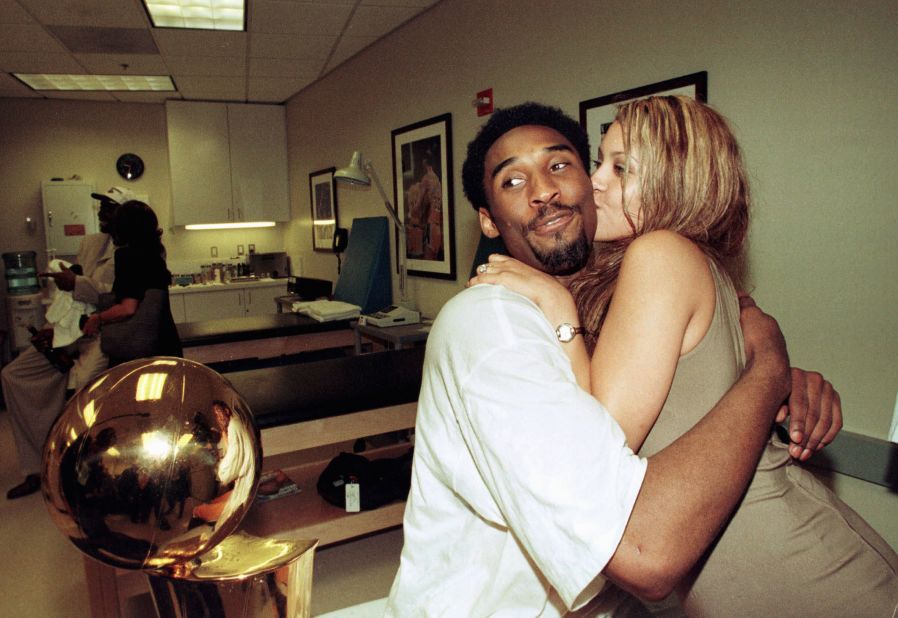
503,121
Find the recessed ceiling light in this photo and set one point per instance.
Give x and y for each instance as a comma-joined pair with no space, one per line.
45,81
198,14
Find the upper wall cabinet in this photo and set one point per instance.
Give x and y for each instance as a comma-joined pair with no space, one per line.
228,162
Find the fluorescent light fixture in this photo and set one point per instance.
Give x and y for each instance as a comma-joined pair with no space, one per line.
228,226
197,14
134,83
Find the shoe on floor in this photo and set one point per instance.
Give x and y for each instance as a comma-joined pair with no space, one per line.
27,487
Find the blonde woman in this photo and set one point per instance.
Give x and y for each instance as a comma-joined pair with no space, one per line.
662,331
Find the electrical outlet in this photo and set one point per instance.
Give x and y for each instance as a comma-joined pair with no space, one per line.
213,251
239,249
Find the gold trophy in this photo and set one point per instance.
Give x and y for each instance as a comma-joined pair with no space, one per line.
152,466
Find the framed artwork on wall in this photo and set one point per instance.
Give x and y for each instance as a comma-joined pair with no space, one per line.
324,209
597,114
422,185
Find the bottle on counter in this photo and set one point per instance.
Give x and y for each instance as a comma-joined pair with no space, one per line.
57,357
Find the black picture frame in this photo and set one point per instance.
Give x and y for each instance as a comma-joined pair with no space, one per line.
323,197
597,114
423,194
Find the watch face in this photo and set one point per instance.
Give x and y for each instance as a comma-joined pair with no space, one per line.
129,166
566,332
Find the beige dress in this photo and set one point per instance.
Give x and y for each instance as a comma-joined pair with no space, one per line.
792,548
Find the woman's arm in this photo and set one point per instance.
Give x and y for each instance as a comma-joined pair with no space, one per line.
549,295
120,311
662,307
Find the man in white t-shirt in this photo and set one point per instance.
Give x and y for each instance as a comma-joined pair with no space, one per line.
525,496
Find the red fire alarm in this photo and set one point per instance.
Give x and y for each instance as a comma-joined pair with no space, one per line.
484,102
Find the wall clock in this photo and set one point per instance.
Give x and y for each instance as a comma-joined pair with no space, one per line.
129,166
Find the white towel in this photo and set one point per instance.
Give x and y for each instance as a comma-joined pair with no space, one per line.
893,432
327,310
65,312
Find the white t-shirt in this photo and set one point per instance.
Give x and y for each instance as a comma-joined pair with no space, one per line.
522,482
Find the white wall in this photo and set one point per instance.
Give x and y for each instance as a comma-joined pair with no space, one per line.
42,139
809,86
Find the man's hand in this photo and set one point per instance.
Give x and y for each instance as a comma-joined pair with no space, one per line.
43,340
65,279
764,343
815,413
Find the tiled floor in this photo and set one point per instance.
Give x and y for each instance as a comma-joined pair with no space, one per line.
41,572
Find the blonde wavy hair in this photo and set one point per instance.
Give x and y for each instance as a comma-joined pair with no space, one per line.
691,181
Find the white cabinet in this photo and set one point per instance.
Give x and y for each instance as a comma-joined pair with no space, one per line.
69,215
226,302
261,300
176,303
215,305
228,162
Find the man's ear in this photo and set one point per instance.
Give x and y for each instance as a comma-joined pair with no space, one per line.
487,225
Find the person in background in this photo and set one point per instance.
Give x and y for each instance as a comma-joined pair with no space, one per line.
33,389
525,496
139,266
672,204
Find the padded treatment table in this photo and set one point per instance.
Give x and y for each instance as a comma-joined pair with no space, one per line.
261,336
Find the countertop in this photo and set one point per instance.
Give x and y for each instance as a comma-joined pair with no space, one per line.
216,287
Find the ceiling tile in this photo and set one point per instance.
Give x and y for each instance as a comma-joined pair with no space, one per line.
208,66
111,64
111,13
191,42
290,46
11,12
30,62
145,97
349,46
378,20
278,67
421,4
90,40
275,89
212,88
276,17
27,38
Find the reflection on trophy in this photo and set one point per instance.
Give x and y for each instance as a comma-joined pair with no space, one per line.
152,467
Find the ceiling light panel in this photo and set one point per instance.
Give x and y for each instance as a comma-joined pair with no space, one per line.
198,14
39,81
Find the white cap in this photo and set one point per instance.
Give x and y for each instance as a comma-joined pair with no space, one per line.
119,195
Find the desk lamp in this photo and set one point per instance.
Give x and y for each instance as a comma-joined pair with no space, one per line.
360,172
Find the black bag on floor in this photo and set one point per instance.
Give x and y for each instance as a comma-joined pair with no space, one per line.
381,481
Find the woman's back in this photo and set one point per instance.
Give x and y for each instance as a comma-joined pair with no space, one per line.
792,548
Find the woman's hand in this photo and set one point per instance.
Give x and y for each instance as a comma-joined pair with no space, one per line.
549,295
92,325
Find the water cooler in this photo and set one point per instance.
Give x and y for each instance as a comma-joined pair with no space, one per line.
24,306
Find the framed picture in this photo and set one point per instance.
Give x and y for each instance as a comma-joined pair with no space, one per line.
596,115
422,185
324,209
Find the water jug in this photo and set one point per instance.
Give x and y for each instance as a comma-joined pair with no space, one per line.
21,273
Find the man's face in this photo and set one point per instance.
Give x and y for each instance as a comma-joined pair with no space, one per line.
105,215
540,200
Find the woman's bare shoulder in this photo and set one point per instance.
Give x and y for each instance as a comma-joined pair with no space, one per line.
665,252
